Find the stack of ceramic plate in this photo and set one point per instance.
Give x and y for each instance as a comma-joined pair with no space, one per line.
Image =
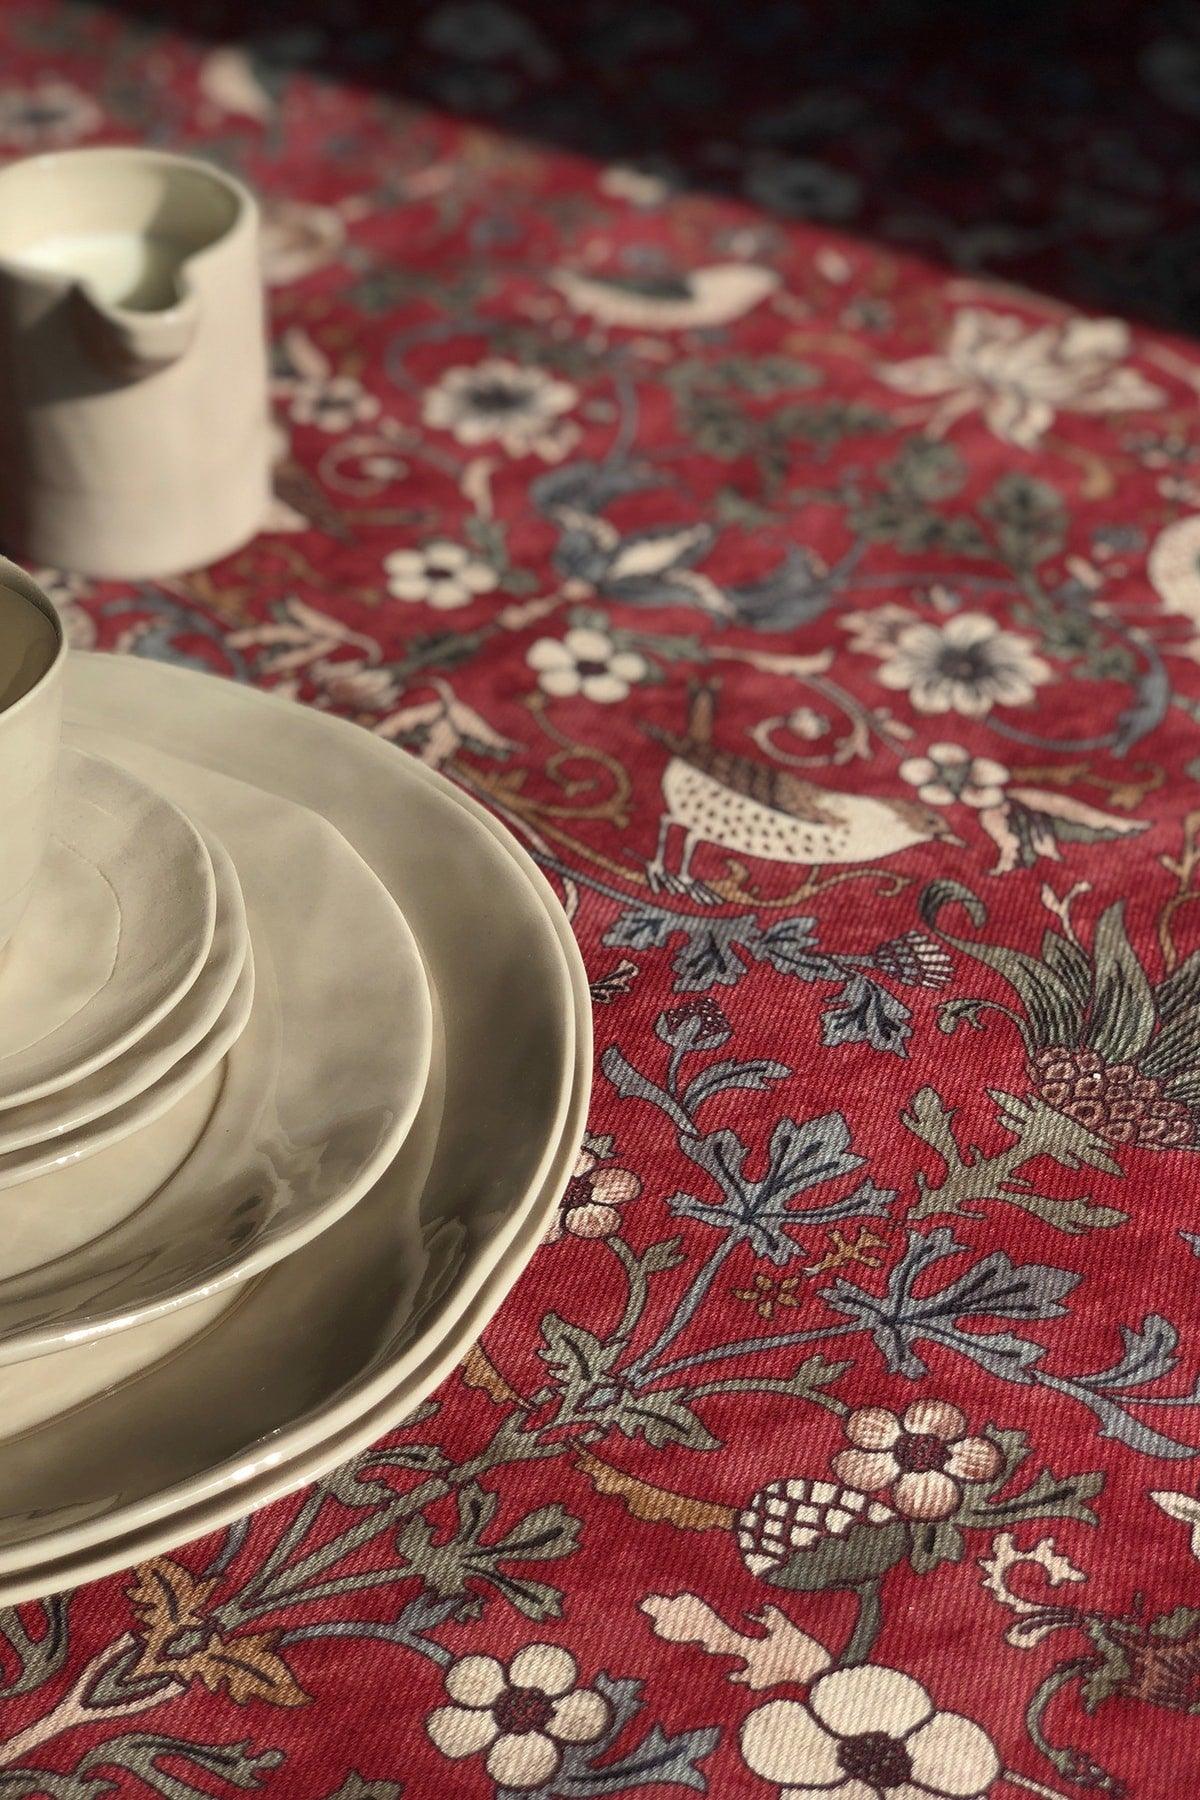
294,1058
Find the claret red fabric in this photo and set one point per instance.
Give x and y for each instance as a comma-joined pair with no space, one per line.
785,513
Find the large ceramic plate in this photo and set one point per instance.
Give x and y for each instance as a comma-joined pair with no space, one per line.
118,926
322,1452
319,1088
347,1335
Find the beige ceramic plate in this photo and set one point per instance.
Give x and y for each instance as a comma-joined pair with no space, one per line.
318,1092
51,1122
348,1334
269,1479
59,1155
117,929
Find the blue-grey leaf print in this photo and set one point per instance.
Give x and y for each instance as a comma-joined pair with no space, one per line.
1147,1354
865,1013
763,1212
993,1287
707,958
638,930
796,592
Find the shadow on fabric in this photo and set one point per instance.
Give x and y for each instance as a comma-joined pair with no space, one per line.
1052,145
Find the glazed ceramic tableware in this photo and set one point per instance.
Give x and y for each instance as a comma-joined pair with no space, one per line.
161,1051
326,1448
133,375
121,925
44,1219
22,1165
346,1335
32,652
319,1088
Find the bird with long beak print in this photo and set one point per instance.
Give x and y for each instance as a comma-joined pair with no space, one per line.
719,797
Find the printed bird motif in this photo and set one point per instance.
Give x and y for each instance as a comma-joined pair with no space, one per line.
718,797
671,302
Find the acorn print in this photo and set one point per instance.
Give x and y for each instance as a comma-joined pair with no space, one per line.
798,1515
915,960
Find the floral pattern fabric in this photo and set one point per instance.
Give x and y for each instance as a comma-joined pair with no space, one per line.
757,524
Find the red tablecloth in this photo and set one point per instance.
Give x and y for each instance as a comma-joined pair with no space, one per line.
825,620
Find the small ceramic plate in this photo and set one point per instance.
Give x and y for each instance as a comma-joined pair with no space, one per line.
52,1122
349,1334
23,1168
117,928
319,1090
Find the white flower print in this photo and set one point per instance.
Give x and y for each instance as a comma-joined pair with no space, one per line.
332,402
596,1189
53,112
499,401
318,396
966,665
948,772
520,1716
443,574
875,632
868,1733
1020,377
923,1456
586,662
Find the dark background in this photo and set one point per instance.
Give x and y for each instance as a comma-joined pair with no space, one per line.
1052,145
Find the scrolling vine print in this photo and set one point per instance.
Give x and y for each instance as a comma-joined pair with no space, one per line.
826,623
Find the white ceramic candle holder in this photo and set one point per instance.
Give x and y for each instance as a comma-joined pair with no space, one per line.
134,429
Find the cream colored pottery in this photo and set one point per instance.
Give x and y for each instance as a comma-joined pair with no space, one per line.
347,1335
120,927
187,1026
23,1165
133,372
32,653
270,1478
44,1219
320,1088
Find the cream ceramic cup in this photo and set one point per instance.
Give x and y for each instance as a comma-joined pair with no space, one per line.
134,426
32,653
